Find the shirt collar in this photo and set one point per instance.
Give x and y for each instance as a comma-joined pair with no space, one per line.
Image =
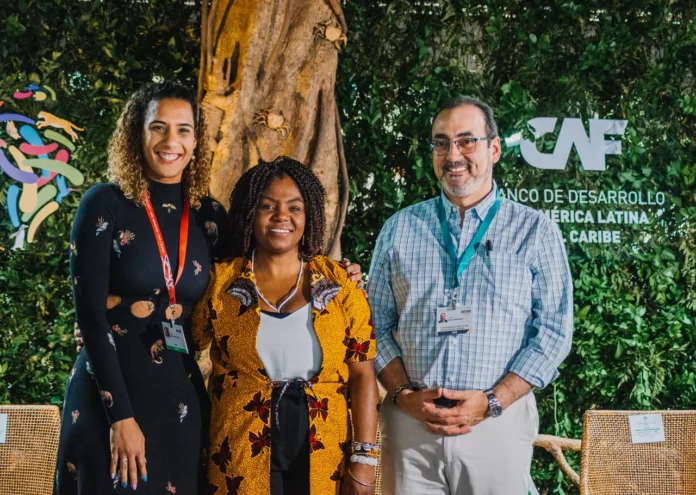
481,208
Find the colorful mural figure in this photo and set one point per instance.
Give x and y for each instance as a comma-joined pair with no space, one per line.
36,154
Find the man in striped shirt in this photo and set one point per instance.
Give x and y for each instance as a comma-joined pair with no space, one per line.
460,417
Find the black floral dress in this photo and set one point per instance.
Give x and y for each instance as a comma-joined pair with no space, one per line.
124,369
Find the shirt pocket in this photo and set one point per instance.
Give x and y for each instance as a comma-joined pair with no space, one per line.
507,280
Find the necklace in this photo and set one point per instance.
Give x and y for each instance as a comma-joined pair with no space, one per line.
284,299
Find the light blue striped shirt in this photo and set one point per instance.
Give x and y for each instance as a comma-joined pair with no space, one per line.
521,293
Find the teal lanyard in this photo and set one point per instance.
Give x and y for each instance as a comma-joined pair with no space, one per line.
463,262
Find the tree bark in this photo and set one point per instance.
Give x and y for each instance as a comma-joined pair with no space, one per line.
268,70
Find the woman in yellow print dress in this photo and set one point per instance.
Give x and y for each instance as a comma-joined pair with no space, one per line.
292,345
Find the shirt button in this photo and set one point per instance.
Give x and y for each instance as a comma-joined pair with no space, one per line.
450,378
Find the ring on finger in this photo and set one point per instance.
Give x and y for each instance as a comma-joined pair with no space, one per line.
124,461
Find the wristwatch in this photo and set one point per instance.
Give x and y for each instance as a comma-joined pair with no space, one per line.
494,407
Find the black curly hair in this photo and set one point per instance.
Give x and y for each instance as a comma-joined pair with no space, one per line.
247,194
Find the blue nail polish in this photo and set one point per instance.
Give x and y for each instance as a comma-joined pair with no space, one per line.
124,484
145,478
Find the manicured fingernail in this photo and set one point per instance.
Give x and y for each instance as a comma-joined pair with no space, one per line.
134,486
145,459
113,475
145,478
124,484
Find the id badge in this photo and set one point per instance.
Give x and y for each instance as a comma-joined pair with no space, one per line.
457,320
174,337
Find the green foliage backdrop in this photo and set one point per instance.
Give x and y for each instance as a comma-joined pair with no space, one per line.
635,302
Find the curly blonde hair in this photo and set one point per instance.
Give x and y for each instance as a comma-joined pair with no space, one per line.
126,163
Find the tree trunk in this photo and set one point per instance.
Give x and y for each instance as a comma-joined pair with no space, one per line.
268,70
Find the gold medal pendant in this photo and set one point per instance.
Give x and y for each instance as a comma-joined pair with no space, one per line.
173,312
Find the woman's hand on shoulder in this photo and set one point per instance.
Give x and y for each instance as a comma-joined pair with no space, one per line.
354,271
78,338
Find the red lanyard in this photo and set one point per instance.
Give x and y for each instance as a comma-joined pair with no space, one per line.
183,242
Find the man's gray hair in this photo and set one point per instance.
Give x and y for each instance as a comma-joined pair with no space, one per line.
460,101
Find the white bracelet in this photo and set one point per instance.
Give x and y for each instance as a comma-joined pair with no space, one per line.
361,459
365,447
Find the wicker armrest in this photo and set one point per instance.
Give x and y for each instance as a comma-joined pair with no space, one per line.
28,457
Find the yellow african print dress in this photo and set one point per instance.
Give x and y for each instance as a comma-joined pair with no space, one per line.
228,318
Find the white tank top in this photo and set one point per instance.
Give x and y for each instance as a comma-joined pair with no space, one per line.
288,346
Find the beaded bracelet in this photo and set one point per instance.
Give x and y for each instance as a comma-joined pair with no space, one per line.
371,455
365,447
361,459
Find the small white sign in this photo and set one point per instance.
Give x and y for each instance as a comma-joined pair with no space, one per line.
3,428
647,428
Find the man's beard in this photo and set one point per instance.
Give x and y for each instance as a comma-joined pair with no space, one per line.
471,185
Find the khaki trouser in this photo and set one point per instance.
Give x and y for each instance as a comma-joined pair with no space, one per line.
494,459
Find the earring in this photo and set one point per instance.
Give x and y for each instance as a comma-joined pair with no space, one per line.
193,157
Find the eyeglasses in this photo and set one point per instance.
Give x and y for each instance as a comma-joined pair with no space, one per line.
465,145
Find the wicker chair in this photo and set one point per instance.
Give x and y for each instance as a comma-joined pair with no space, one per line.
610,464
28,457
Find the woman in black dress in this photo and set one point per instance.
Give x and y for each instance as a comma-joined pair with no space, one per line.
132,394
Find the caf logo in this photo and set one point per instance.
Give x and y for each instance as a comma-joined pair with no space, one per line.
591,149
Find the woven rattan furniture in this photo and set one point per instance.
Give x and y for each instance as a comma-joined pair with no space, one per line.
610,464
28,457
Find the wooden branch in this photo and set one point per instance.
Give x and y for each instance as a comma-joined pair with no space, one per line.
345,184
282,37
203,66
338,12
209,35
251,137
555,446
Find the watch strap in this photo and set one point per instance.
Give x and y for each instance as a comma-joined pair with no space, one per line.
401,388
495,409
